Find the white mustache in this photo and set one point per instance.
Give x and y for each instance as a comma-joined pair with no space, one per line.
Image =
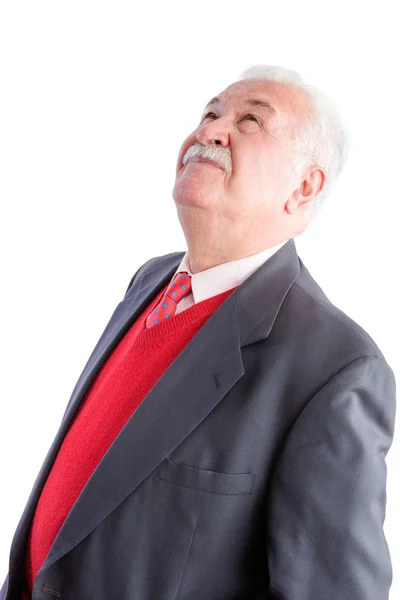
221,155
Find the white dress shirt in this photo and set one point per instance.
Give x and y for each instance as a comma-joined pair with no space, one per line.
218,279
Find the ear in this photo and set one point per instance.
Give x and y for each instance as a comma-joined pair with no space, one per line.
313,181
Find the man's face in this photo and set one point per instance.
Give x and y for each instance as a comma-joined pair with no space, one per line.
252,143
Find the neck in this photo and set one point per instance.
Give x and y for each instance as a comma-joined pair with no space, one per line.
209,246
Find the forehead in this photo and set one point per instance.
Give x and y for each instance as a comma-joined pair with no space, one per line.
288,102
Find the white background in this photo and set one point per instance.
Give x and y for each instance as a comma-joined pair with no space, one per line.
96,99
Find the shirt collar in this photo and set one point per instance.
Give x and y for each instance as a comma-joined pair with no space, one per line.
223,277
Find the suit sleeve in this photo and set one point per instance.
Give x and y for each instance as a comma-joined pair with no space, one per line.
326,499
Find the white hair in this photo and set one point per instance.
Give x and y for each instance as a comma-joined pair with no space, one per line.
321,138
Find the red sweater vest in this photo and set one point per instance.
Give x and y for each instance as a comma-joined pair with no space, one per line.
129,373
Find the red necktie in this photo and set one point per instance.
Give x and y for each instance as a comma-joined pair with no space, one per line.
179,287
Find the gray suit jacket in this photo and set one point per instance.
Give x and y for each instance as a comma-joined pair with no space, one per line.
253,469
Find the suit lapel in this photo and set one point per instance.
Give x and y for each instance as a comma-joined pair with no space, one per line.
165,418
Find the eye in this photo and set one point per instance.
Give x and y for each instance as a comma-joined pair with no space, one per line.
246,116
253,117
208,115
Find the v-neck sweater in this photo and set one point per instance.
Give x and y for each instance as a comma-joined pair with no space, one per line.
126,377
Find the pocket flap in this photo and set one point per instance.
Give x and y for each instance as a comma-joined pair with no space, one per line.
202,480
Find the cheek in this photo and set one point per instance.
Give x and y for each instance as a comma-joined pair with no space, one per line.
255,167
271,166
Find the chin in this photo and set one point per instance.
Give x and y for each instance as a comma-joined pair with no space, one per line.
191,191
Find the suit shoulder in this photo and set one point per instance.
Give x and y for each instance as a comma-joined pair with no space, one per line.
332,323
156,261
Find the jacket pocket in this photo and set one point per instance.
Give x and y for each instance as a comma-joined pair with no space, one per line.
202,480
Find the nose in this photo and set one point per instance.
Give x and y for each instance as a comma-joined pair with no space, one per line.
214,132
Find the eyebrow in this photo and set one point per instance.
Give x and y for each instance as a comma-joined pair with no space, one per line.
251,101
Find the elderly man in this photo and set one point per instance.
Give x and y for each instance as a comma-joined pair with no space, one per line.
226,439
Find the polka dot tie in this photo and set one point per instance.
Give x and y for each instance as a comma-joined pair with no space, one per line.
179,287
